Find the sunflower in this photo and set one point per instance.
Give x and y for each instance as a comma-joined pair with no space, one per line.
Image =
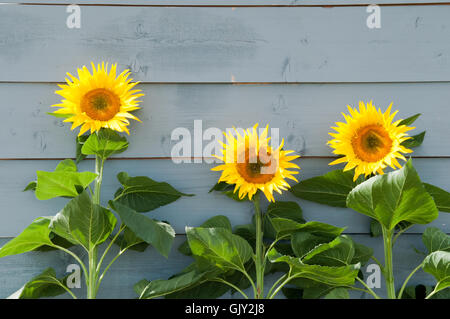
251,164
97,100
369,140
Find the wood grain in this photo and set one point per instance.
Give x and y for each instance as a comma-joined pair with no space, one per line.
224,44
270,3
298,67
303,113
19,208
133,266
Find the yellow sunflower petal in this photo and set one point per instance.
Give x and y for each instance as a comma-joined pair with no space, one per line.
251,170
369,141
99,99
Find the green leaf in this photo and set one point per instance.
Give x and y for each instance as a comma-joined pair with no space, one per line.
435,239
59,115
330,189
44,285
79,141
416,292
218,221
288,210
158,234
140,286
438,265
34,236
281,209
220,187
394,197
144,194
285,227
208,287
362,254
30,187
375,228
228,190
414,141
247,231
410,120
338,293
63,181
292,293
66,165
104,143
440,196
158,288
317,291
338,252
129,240
421,291
57,240
83,223
219,247
204,290
303,242
332,276
239,279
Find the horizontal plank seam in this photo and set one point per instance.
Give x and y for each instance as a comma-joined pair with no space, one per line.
355,234
238,5
178,158
246,83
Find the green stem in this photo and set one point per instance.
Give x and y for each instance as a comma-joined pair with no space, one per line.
107,267
272,245
276,283
406,281
92,286
368,288
259,260
92,253
232,286
99,163
121,228
249,279
432,293
360,289
378,263
85,272
399,233
389,269
69,291
288,279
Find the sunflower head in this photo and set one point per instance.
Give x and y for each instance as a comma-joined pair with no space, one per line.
369,140
100,99
251,164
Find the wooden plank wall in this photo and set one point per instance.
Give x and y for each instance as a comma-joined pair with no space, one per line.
292,64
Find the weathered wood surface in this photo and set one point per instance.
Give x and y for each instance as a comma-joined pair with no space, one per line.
19,208
304,114
223,44
133,266
179,53
228,2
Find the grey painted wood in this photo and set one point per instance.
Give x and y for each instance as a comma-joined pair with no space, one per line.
226,3
206,45
229,45
19,208
304,114
133,266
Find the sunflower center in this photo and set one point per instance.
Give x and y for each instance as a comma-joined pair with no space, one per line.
100,104
372,143
257,171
